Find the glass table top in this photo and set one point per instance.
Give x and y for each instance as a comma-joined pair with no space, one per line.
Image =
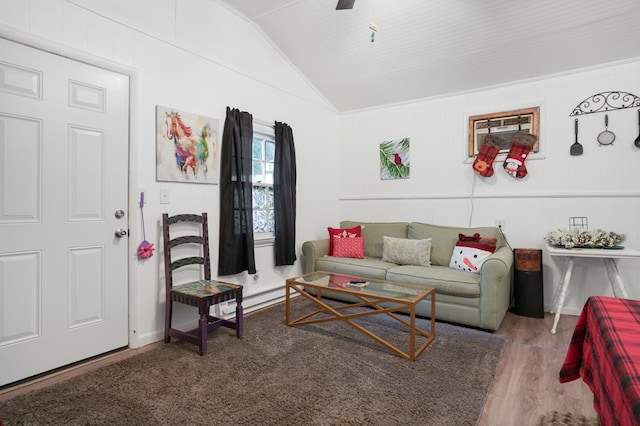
350,284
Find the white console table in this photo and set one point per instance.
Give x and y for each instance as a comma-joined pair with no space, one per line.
609,257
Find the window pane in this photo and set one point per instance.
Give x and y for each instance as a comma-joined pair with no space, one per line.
270,198
270,150
258,171
260,197
257,149
271,221
260,223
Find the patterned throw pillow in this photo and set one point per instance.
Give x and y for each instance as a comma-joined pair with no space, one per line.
471,251
349,247
335,233
406,251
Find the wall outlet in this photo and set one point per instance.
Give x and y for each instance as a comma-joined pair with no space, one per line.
164,196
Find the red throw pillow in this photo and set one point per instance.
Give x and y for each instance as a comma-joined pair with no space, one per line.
349,247
478,239
335,233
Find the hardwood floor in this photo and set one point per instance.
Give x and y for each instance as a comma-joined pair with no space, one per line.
526,384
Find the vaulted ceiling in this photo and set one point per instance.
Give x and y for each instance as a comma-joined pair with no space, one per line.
429,48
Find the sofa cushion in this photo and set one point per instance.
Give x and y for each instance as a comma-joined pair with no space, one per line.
444,279
349,247
369,267
372,232
406,252
335,233
444,238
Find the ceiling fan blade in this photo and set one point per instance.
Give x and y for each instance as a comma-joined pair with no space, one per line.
345,4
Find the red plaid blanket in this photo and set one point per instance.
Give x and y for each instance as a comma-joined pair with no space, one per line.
605,352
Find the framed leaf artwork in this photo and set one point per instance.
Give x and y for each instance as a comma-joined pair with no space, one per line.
394,159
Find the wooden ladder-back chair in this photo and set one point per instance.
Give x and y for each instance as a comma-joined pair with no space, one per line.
202,293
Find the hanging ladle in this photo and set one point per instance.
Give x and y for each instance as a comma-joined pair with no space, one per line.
637,141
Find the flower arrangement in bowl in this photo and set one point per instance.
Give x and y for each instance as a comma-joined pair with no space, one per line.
584,239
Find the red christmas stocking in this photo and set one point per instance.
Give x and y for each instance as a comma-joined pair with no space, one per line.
514,163
483,164
521,146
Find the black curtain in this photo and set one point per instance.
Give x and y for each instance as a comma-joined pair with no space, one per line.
284,195
236,199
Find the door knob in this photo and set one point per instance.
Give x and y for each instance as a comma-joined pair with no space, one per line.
120,233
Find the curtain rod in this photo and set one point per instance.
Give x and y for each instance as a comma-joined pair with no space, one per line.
263,123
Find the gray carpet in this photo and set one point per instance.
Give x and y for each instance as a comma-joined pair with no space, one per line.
326,374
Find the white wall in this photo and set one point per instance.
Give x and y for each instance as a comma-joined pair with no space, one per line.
197,56
602,184
185,54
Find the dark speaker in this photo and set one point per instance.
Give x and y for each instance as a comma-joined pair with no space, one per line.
527,283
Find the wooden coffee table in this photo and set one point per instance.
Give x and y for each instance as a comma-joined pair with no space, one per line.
384,297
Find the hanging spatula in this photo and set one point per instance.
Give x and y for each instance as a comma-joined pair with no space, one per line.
576,148
637,141
345,4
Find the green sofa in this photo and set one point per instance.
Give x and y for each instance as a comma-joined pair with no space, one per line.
479,300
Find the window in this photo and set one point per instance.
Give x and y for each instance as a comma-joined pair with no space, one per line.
263,153
503,125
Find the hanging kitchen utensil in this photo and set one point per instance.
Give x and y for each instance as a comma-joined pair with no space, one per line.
637,141
345,4
606,137
576,148
145,249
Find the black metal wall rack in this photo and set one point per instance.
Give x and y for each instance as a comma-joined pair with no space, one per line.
606,101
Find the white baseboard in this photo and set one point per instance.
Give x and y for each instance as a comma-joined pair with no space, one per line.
250,303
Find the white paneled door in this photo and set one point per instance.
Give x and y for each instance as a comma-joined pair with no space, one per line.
63,196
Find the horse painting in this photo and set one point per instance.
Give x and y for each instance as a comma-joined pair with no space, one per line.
186,146
191,153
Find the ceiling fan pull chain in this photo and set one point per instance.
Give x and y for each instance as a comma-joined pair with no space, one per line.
374,29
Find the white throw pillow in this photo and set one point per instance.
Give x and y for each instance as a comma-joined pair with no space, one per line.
406,252
470,253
